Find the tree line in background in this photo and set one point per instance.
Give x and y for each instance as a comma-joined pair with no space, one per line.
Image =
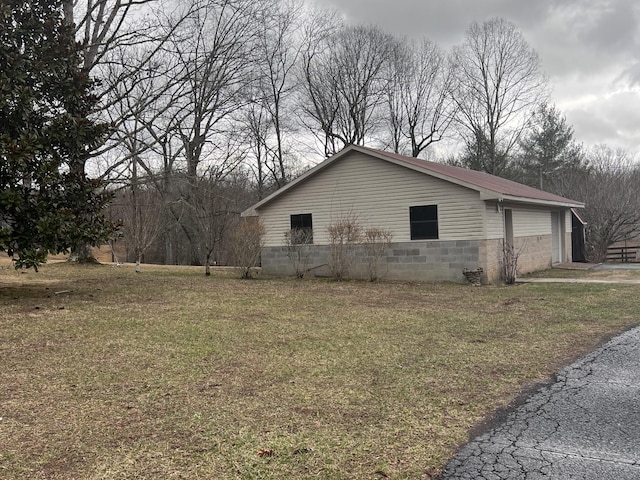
212,105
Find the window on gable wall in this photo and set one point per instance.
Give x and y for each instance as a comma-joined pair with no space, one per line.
301,229
424,222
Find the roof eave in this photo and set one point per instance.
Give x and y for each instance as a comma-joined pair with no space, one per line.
253,210
488,196
249,212
579,216
424,171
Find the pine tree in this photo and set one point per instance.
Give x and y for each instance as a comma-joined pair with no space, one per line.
548,149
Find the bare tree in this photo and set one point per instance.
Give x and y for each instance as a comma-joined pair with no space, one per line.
142,217
212,48
105,29
609,188
144,139
344,85
144,212
319,28
102,25
419,100
258,128
498,82
208,206
268,117
172,78
197,135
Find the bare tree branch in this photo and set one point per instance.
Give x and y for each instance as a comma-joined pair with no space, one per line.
498,82
419,98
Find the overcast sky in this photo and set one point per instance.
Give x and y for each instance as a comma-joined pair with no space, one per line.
590,50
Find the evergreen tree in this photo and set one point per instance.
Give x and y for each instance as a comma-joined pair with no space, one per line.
45,103
479,155
548,149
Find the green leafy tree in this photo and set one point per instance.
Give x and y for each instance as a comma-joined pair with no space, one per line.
45,103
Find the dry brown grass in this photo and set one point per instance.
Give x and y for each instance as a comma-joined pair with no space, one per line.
109,374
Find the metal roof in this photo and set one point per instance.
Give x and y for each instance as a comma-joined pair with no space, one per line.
490,186
481,180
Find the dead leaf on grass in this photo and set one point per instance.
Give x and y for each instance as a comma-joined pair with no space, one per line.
266,452
299,451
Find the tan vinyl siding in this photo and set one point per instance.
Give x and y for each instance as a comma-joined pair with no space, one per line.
379,194
494,221
529,222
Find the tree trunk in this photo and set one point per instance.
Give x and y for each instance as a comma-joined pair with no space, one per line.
168,249
82,253
207,268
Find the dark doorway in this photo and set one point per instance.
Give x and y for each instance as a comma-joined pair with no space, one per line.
577,237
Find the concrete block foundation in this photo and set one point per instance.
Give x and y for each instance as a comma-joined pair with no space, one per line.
414,261
437,260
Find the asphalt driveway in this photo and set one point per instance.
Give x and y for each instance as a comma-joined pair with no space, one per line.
586,425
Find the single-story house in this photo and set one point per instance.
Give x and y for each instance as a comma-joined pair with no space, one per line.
444,219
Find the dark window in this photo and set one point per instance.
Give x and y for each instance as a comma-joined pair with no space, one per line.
301,229
424,222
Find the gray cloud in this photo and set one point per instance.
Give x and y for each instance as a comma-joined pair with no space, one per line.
588,48
587,36
444,21
613,27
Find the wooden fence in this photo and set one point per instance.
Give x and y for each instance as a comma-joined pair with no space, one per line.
623,254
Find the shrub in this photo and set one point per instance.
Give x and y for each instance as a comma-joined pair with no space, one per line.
299,244
509,263
246,245
344,235
376,241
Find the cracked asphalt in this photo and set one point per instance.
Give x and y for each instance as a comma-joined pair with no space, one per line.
585,425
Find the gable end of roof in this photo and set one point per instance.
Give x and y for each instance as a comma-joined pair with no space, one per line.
490,186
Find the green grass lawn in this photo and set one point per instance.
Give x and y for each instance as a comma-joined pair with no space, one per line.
109,374
586,274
